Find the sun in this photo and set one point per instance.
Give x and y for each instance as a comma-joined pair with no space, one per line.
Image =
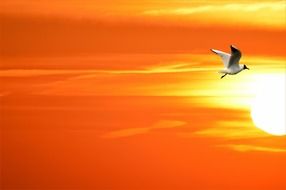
268,106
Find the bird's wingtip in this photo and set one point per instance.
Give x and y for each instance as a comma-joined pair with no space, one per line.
233,46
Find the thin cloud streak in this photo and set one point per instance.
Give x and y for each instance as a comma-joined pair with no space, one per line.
39,72
243,7
177,68
163,124
232,130
236,12
180,75
252,148
166,68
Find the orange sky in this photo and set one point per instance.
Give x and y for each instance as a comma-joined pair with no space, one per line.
119,94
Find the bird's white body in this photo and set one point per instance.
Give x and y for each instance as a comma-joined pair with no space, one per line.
232,70
230,61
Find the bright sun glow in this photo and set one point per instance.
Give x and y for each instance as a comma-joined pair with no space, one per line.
268,107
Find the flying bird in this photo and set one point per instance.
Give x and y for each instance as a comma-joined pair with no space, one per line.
230,61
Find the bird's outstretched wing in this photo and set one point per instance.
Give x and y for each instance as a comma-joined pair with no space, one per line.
225,57
235,56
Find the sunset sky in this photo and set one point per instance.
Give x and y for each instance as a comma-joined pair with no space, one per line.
121,94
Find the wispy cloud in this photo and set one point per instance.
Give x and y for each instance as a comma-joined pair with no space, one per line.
167,68
232,130
180,75
271,12
162,124
39,72
238,131
242,7
172,67
126,132
251,148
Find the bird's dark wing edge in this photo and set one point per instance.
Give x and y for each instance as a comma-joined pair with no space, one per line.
234,50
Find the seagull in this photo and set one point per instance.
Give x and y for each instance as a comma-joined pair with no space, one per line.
230,61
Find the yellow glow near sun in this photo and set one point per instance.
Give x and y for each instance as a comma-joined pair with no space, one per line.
268,106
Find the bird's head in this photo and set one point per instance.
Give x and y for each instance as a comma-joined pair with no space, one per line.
245,67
